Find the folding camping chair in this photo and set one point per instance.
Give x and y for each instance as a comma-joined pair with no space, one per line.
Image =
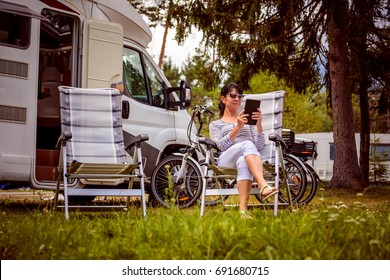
272,155
93,153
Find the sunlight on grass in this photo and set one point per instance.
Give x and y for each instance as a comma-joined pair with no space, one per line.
337,224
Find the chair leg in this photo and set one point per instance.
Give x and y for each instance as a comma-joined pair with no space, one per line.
204,187
142,181
59,175
143,198
65,179
277,177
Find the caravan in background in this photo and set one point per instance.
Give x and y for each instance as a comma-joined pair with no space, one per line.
323,162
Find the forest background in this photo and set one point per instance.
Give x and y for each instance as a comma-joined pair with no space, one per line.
332,57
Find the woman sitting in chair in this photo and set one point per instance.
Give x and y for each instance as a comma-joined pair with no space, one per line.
240,145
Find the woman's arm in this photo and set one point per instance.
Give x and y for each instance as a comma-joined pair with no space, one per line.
258,137
218,134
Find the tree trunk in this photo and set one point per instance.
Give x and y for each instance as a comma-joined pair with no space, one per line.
364,158
162,52
361,54
166,29
388,121
345,168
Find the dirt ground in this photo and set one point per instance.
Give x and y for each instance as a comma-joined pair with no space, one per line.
23,194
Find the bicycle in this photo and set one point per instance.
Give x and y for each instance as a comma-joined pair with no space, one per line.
177,179
305,149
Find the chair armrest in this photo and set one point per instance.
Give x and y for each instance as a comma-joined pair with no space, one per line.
137,141
274,137
65,136
208,142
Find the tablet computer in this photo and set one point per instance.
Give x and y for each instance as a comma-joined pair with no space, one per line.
251,105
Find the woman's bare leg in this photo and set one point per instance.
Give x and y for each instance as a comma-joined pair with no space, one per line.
244,190
255,165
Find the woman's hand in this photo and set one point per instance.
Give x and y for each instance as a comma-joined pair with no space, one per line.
258,116
242,119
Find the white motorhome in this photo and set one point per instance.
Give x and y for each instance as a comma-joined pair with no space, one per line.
323,162
79,43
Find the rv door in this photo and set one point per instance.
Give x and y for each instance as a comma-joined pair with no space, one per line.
102,53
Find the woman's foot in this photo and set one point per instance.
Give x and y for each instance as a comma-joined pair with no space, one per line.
267,191
244,214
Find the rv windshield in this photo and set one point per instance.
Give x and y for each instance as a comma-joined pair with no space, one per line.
141,81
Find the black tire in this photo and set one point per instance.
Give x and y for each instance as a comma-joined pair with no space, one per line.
296,178
185,192
311,187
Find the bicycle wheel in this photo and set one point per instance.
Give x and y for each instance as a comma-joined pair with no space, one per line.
311,187
296,178
169,191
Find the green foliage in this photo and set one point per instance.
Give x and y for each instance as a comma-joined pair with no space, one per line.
200,71
260,36
155,13
303,113
287,38
304,116
336,225
171,198
171,72
379,103
210,99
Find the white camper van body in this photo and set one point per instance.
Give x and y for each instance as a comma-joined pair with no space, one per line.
323,163
79,43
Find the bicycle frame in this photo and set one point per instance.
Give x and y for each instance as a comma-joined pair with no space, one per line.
195,145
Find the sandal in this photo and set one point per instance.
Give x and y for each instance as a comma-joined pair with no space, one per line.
275,191
244,214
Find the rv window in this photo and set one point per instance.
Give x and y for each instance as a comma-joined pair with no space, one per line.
57,30
155,86
331,151
14,30
56,44
134,78
381,150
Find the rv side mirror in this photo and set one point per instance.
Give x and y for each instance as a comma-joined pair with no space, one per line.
184,94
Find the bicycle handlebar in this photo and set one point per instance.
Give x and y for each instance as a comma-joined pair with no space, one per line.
202,109
198,110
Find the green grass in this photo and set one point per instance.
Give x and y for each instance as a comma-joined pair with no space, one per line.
337,224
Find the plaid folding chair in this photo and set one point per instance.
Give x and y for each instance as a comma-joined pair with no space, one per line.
93,153
272,155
